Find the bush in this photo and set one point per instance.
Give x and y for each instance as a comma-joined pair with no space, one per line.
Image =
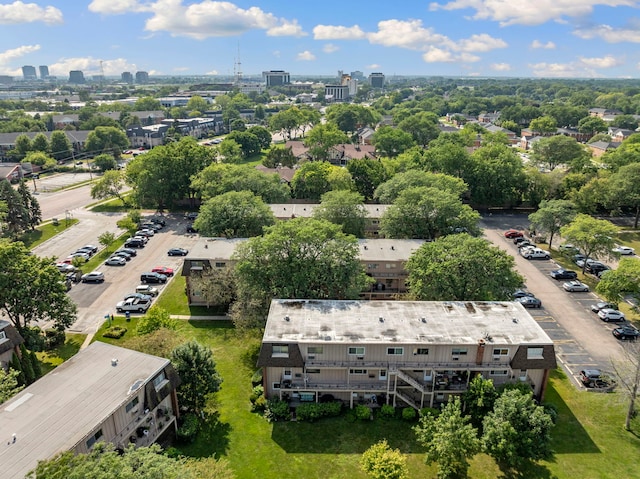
331,409
363,412
259,405
256,393
188,431
256,379
429,411
409,414
114,332
552,411
277,410
387,410
309,412
33,338
53,338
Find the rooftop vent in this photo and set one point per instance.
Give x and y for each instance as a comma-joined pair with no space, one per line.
515,320
114,362
424,320
287,318
381,319
366,247
393,247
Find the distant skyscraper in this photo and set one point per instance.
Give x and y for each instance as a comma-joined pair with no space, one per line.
29,72
276,78
357,75
376,80
76,76
6,79
142,77
44,72
127,77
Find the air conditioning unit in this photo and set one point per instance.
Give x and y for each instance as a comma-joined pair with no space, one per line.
311,356
360,357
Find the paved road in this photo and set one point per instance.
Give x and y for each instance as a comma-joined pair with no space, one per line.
581,339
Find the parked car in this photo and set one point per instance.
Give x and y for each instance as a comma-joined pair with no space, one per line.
152,277
86,251
513,233
134,243
143,297
596,268
163,270
587,376
147,290
122,254
588,262
603,305
578,257
145,232
91,247
626,332
191,229
65,268
611,315
626,250
530,302
521,293
150,226
133,305
525,244
535,253
178,252
93,277
575,286
519,239
563,274
568,248
190,216
144,239
158,221
116,261
129,251
83,256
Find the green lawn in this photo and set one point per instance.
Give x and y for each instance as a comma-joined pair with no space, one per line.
111,206
49,360
589,440
174,299
42,233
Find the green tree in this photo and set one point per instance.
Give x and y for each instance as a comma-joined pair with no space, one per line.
624,190
621,282
235,214
344,208
382,462
428,213
592,125
627,122
449,439
154,319
105,162
322,138
367,175
16,215
557,150
422,126
217,287
277,156
479,399
40,142
106,239
389,191
30,204
31,290
220,178
627,372
27,366
517,430
262,134
22,146
197,103
230,151
543,125
147,103
38,158
286,121
551,216
9,384
311,180
60,145
106,139
390,141
592,236
461,268
196,367
249,143
349,117
109,185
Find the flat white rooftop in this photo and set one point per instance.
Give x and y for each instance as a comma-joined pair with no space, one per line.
61,408
414,322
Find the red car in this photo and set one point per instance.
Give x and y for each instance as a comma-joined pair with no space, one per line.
163,270
513,234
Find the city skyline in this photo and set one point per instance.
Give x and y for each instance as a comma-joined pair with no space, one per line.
487,38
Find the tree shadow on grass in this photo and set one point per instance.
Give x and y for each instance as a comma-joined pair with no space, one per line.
212,440
531,470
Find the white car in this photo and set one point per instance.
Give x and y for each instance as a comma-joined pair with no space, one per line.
133,306
575,286
535,253
611,315
627,250
93,277
116,261
147,289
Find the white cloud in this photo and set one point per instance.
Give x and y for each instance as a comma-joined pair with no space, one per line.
526,12
501,67
407,34
287,29
116,7
481,43
610,34
336,32
330,48
18,12
306,56
547,46
8,56
212,72
373,66
583,67
435,55
91,66
180,69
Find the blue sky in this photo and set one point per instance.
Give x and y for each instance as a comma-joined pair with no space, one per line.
521,38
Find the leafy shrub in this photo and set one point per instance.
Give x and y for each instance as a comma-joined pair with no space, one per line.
309,412
259,405
155,319
188,431
172,452
363,412
552,411
429,411
387,410
409,414
277,410
331,409
114,332
256,379
33,338
256,393
53,338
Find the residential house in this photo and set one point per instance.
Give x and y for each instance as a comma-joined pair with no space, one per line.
491,128
619,134
490,117
10,341
527,141
12,172
147,136
103,393
8,141
338,154
404,353
365,135
603,112
459,119
599,148
382,259
284,172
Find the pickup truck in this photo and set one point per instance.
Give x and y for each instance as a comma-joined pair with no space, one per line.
133,305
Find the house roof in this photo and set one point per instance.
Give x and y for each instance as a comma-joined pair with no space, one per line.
297,148
408,322
305,210
284,172
60,409
9,139
604,145
351,151
12,336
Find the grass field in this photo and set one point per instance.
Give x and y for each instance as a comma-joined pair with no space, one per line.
49,360
174,300
42,233
589,440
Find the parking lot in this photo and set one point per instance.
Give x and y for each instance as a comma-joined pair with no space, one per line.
582,340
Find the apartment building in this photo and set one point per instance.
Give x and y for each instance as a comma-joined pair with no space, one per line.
104,393
404,353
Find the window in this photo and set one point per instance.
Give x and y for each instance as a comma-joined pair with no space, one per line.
160,380
280,351
383,375
276,385
356,351
221,265
313,371
395,351
457,352
499,353
535,353
92,440
132,404
315,350
372,266
357,371
3,335
390,265
499,372
420,351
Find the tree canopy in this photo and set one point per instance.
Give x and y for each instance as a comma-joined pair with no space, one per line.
551,216
107,139
196,367
388,191
593,237
344,208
